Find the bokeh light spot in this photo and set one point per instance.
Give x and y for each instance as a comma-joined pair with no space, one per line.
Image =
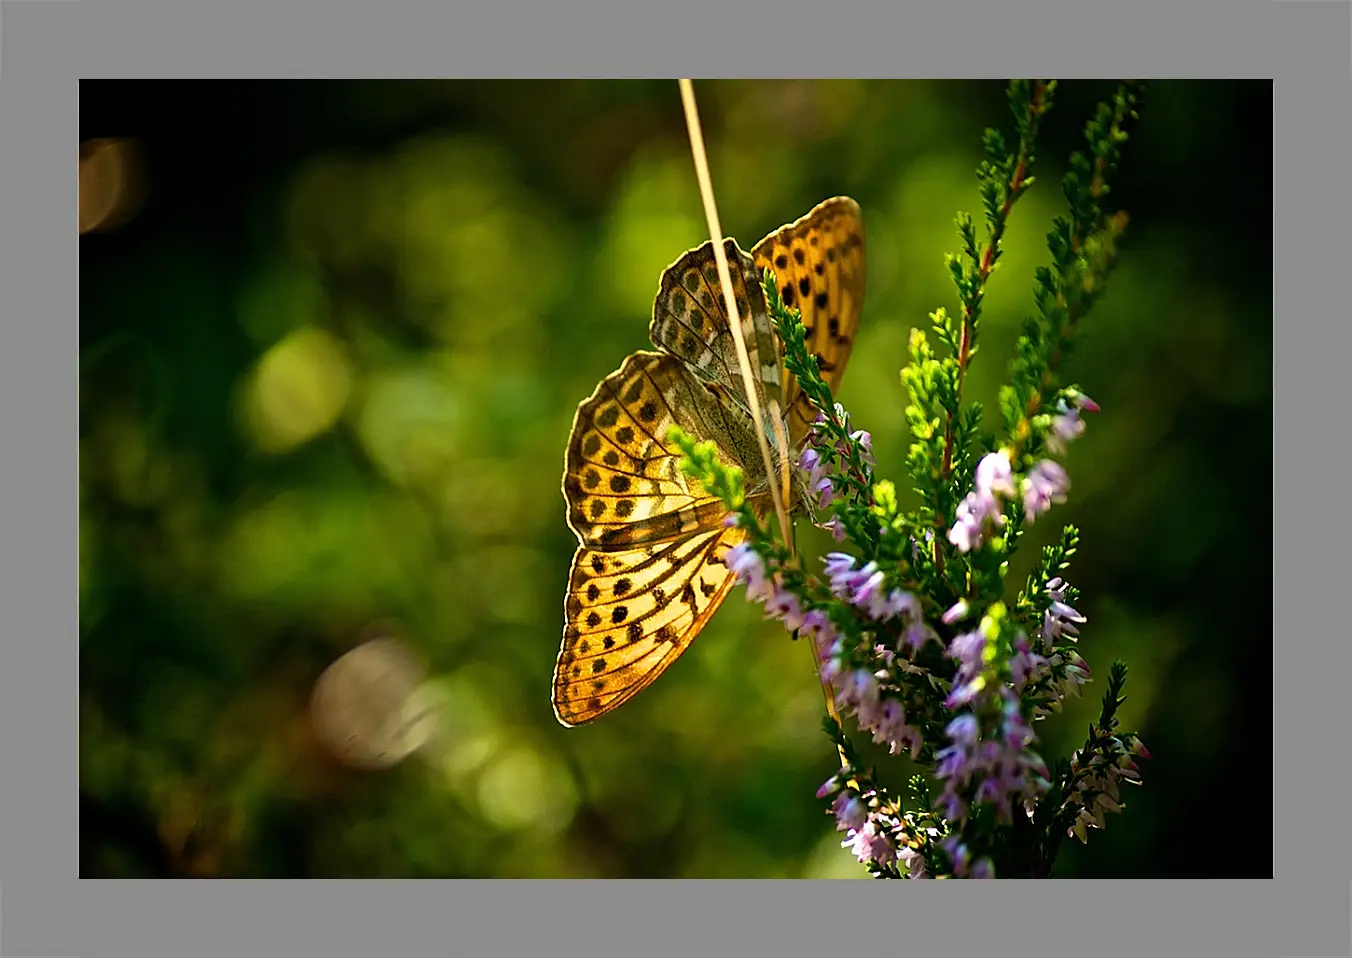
524,789
298,390
112,183
366,709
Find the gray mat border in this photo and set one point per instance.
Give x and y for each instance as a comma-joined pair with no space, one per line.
46,46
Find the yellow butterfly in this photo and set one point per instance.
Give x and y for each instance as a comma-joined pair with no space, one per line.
649,572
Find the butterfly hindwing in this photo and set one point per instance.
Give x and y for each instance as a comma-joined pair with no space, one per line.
819,264
630,614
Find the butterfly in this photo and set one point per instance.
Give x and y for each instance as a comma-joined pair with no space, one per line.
649,573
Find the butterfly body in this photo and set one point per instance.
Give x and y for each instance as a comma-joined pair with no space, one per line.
649,573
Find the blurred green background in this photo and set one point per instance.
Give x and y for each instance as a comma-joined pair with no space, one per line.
332,337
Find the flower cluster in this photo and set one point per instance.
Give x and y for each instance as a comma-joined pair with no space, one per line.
961,857
1066,668
958,692
871,693
865,589
1098,779
1045,483
875,834
1096,772
826,486
989,759
983,508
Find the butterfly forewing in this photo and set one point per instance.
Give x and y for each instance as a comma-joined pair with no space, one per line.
690,321
819,265
622,480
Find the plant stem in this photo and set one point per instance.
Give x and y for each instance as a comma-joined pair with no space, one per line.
971,309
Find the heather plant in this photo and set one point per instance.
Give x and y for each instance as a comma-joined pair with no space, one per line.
920,643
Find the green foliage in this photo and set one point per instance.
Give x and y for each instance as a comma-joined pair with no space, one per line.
415,284
1083,246
700,462
1055,561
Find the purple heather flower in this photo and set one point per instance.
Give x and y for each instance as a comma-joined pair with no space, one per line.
1065,612
742,560
784,605
865,585
966,532
816,624
893,730
956,612
1014,731
917,634
994,478
951,806
871,843
1025,663
1005,773
1045,483
865,443
972,515
957,853
912,862
831,785
1068,425
749,567
831,666
967,649
824,491
950,763
896,603
1054,627
982,868
1006,768
886,656
1060,620
1065,427
858,690
838,563
863,588
964,693
811,463
745,563
964,730
994,475
836,527
851,814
